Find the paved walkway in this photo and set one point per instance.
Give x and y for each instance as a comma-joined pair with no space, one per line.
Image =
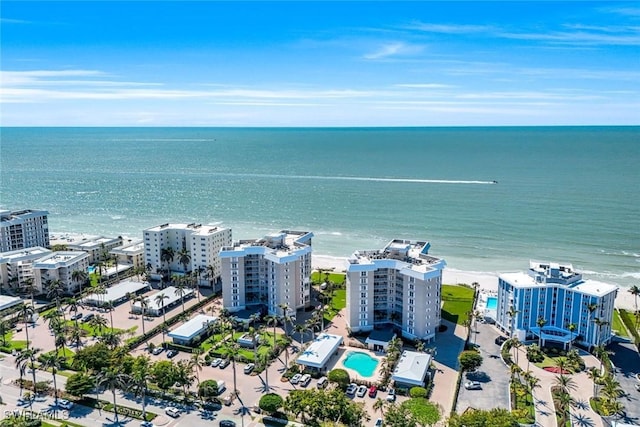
581,413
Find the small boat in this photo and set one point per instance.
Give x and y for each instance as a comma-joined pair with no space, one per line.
494,181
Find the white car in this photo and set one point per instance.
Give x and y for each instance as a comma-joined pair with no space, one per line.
391,396
305,380
216,362
353,387
472,385
172,412
65,404
249,368
295,379
362,390
157,350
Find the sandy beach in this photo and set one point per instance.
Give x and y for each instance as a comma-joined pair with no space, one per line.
452,276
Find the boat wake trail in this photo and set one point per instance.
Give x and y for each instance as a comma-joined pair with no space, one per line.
367,178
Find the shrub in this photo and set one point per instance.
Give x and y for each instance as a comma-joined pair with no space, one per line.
208,389
470,360
534,354
271,402
418,392
339,376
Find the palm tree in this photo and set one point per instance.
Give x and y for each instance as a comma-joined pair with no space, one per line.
112,379
541,322
26,313
79,277
181,291
263,359
565,383
635,291
55,290
144,303
98,323
112,339
571,327
272,321
54,362
159,299
4,328
184,258
599,324
611,388
109,306
29,355
197,363
594,374
76,335
22,362
592,309
379,405
139,379
512,313
167,255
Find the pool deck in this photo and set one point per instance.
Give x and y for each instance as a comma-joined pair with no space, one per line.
336,362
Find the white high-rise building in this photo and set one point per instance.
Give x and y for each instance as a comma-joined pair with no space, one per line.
272,271
23,229
130,253
16,267
553,303
59,266
397,287
201,244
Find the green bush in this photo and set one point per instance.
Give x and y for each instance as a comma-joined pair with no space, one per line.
271,402
340,377
418,392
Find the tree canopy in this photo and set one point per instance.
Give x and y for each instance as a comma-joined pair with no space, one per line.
271,402
423,412
208,389
317,406
480,418
340,377
79,384
470,360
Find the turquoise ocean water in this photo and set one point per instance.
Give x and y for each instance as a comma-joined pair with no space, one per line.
567,194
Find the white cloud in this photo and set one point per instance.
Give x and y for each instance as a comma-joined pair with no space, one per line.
449,28
393,49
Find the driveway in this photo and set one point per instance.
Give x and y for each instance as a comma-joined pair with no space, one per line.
626,360
493,375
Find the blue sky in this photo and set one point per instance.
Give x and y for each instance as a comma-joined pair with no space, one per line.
99,63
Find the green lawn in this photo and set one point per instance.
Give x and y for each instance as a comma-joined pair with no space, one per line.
13,344
337,278
618,326
522,402
246,353
458,301
338,302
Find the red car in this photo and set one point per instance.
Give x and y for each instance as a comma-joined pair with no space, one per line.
373,391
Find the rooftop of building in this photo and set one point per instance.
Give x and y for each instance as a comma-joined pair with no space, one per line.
23,254
94,242
320,350
9,215
194,227
412,367
133,246
281,244
414,254
193,327
57,259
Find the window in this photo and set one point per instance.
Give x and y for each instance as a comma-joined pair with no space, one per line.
363,294
363,274
363,281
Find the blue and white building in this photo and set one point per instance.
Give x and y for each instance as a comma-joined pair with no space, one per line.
551,299
396,287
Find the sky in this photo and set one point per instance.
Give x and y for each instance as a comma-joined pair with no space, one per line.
302,63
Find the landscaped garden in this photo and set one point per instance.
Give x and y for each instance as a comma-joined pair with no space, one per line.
458,302
555,360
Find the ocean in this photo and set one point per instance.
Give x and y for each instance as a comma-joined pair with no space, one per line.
567,194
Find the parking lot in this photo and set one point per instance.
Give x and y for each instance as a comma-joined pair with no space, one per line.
493,375
627,365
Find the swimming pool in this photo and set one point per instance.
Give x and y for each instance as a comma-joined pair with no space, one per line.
492,303
91,269
360,362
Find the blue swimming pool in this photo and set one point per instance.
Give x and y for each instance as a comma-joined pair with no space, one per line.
91,269
360,362
492,303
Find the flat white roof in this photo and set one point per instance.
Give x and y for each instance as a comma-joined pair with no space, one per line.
23,254
60,259
7,302
320,350
170,292
412,368
593,287
193,327
117,292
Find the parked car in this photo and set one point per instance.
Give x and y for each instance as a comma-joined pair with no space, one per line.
65,404
379,422
227,423
322,382
147,424
172,411
25,401
249,368
88,317
391,396
472,385
172,353
305,380
373,390
353,387
157,350
216,362
76,316
224,363
295,379
362,390
500,339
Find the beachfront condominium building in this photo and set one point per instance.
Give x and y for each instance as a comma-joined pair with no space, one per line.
97,247
130,253
274,271
553,303
59,266
23,229
397,287
16,267
183,248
